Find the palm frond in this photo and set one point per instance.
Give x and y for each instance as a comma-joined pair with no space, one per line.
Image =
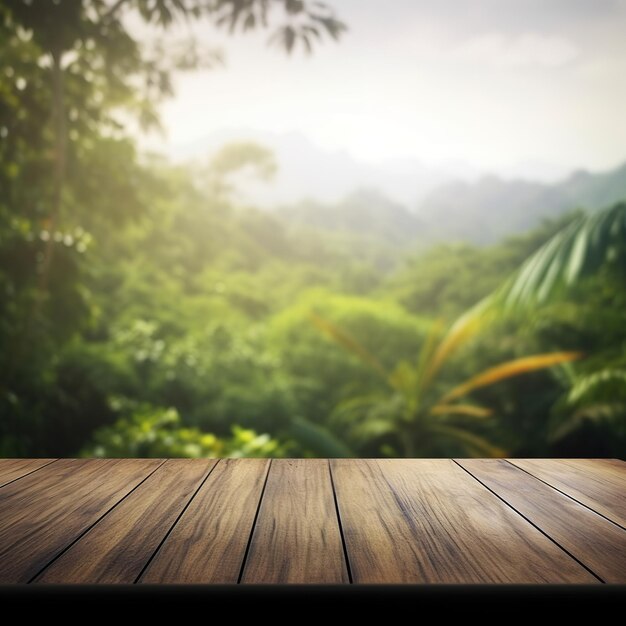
357,408
474,444
596,413
604,382
403,377
461,331
509,369
345,340
467,410
427,351
372,429
576,251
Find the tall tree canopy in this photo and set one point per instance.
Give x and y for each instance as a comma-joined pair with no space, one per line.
73,74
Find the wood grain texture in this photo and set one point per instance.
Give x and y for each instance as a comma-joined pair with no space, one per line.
117,548
599,484
13,469
403,521
209,542
596,542
41,514
296,537
428,521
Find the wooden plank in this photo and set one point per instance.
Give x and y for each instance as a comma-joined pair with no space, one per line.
12,469
209,542
41,514
597,543
599,484
117,548
296,537
428,521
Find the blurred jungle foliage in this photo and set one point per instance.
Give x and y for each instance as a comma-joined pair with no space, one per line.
144,312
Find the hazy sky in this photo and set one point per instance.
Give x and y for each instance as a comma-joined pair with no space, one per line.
491,82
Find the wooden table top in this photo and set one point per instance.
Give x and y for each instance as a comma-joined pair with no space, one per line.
312,521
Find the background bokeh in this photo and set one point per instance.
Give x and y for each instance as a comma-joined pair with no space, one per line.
275,290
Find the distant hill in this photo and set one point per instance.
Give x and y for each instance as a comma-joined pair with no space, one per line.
306,170
405,201
481,212
490,208
365,212
596,190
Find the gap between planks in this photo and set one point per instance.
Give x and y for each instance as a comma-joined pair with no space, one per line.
20,475
167,534
541,530
567,495
254,522
86,530
337,515
337,512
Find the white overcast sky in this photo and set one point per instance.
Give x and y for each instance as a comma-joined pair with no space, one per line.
490,82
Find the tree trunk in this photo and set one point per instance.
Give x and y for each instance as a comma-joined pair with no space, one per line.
60,160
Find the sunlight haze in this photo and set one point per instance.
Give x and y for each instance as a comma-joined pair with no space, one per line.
522,88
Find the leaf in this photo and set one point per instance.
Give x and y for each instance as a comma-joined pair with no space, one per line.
578,250
610,382
307,43
596,413
294,6
349,343
318,439
373,429
462,330
234,18
577,257
475,444
359,402
510,369
357,408
426,353
403,377
311,30
250,22
469,410
531,274
289,38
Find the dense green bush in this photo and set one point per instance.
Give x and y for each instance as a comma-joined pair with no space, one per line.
151,432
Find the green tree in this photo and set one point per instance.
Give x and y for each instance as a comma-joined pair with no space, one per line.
411,413
71,182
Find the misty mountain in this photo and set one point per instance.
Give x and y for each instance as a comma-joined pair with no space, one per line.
365,212
404,200
490,208
485,211
306,170
481,212
595,191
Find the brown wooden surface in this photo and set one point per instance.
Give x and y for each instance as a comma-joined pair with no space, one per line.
44,512
593,540
12,469
260,521
429,522
598,484
209,542
116,549
296,538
